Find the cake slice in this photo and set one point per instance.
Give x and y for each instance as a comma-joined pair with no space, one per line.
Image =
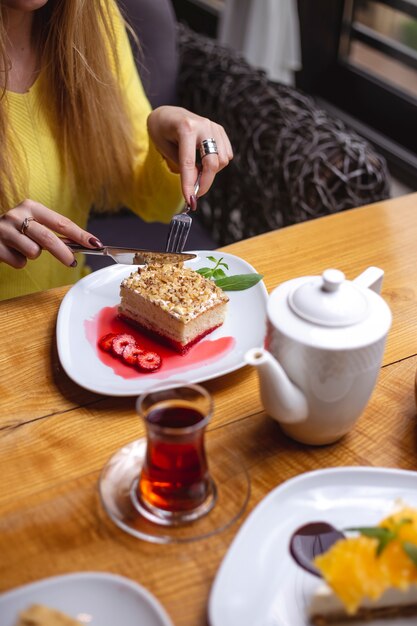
172,303
370,576
327,610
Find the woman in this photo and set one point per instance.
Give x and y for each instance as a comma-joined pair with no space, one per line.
76,130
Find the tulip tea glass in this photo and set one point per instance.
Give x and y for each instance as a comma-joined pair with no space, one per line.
175,485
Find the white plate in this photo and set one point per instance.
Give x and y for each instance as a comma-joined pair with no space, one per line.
245,322
258,583
94,598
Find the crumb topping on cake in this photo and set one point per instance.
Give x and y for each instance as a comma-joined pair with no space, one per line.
181,291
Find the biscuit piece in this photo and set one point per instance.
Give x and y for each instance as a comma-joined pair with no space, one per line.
40,615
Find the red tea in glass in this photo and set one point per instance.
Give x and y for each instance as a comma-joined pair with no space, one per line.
175,484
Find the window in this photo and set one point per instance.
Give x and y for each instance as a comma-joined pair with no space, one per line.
381,39
201,15
360,56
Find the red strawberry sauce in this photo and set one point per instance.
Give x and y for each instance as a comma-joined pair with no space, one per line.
107,321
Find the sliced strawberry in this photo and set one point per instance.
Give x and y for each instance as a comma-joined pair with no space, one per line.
120,342
149,361
105,342
130,353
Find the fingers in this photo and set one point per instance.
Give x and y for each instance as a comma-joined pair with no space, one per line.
226,151
211,164
62,225
187,163
209,168
12,257
45,239
177,134
17,246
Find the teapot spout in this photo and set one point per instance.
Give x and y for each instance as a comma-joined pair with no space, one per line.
281,399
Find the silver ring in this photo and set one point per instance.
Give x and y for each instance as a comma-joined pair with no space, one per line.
25,224
208,146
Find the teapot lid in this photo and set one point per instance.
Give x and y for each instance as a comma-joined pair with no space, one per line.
329,300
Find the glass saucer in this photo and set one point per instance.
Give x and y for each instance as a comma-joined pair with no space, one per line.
122,470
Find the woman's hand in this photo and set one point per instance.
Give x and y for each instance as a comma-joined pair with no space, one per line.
177,134
16,247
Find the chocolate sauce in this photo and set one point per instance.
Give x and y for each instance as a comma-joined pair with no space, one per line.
309,541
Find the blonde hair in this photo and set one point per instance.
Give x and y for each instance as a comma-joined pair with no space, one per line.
87,112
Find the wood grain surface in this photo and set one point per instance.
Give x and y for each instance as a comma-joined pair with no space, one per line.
55,437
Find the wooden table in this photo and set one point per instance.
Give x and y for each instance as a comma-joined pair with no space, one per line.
55,437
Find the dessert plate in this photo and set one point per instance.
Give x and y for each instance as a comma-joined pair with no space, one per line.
259,583
94,598
244,328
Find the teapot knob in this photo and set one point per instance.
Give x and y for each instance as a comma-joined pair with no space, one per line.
332,279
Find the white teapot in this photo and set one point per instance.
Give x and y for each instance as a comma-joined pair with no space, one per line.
324,347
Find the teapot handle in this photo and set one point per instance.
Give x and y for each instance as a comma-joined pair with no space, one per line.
371,278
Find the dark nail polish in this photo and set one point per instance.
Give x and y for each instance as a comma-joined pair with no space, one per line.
93,241
74,263
193,202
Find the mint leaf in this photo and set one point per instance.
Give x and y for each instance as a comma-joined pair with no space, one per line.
403,520
238,282
411,551
377,532
384,541
205,271
369,531
218,274
383,535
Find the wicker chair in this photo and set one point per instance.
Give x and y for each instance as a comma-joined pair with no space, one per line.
293,161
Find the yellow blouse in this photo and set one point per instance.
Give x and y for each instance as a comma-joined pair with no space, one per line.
154,194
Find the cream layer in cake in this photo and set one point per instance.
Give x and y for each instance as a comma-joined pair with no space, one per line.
39,615
399,606
173,303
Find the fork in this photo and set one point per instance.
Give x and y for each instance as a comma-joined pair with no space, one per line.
180,225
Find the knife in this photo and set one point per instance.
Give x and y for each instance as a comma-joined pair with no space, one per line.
132,256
